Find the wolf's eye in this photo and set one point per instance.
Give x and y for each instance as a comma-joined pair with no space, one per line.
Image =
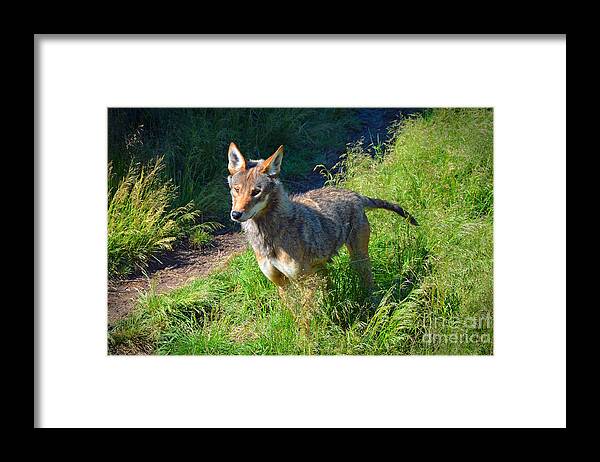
236,189
255,192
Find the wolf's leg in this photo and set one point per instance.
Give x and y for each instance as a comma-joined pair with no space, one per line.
272,273
301,300
306,305
358,247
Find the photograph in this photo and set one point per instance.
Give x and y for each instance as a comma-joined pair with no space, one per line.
300,231
283,231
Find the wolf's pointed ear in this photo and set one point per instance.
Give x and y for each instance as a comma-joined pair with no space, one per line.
272,165
237,162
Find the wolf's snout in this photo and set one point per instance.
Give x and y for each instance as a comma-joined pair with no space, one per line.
236,215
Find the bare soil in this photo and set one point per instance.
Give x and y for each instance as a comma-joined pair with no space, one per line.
177,268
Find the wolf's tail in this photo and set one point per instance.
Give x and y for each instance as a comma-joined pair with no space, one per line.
370,203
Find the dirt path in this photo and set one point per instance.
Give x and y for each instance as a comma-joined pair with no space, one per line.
178,267
184,264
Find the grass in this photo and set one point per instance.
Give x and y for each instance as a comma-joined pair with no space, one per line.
434,282
141,221
201,235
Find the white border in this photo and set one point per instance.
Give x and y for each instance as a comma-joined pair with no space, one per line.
523,384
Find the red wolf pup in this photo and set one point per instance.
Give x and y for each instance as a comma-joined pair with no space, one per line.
292,236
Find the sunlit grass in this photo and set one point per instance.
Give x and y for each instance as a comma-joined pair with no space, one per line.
141,220
434,283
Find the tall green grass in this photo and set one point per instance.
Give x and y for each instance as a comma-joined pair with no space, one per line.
141,220
434,282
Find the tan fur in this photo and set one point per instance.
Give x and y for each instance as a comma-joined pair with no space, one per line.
293,236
